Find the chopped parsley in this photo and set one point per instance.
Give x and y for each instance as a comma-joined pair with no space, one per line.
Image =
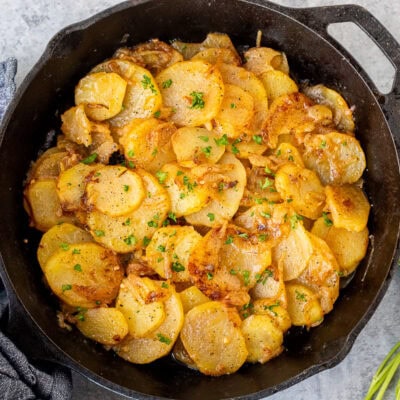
262,278
223,141
229,239
157,114
207,151
266,184
197,100
76,251
99,233
90,159
148,84
327,221
165,285
172,216
243,235
146,241
154,152
211,217
323,144
262,237
177,266
161,248
209,276
204,138
271,308
163,339
294,219
265,214
130,240
167,84
64,246
127,222
257,139
131,153
126,188
300,296
162,176
78,267
233,105
66,287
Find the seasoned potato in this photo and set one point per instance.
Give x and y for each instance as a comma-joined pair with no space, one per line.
342,114
61,236
192,297
263,59
138,300
104,325
84,275
247,149
277,84
114,190
142,98
128,233
101,94
348,206
193,146
76,125
159,342
337,158
276,310
303,187
49,165
286,154
213,339
147,143
216,55
264,340
303,305
193,89
348,247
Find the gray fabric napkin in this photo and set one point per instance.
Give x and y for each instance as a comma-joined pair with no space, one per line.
20,380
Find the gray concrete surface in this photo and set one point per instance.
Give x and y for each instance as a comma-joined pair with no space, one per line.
27,26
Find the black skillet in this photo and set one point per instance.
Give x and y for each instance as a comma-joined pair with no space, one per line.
48,90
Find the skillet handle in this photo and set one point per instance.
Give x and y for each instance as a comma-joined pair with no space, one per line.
319,18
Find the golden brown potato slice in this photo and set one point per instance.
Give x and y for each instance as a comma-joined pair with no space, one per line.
263,59
236,112
246,80
127,233
342,114
50,164
104,325
138,300
286,154
142,98
102,94
169,250
193,146
147,143
337,158
114,190
277,84
103,143
248,149
180,354
264,340
193,89
303,187
303,305
348,247
61,236
76,125
226,200
293,252
159,342
192,297
216,55
213,339
276,310
84,275
43,205
71,185
349,207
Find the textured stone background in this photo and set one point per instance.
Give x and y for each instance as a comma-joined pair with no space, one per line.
25,29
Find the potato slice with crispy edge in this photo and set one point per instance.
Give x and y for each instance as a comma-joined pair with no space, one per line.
216,55
194,91
159,342
226,201
61,236
142,98
192,297
264,339
169,250
114,190
85,275
277,84
139,301
276,309
49,165
128,233
263,59
212,337
303,305
349,207
76,125
102,94
107,326
286,153
348,247
337,158
193,146
303,187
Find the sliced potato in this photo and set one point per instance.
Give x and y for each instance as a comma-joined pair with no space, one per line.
348,247
276,310
86,275
215,55
192,297
49,165
286,154
158,343
104,325
264,340
349,207
101,94
248,149
227,200
263,59
213,340
342,114
303,305
76,125
193,146
337,158
142,98
277,84
126,234
137,300
115,190
61,236
194,91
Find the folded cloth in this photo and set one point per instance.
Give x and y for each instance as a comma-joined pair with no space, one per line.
20,380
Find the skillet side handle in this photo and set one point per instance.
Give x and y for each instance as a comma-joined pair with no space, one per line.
319,18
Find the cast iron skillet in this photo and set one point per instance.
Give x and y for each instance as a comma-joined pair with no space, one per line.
48,90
